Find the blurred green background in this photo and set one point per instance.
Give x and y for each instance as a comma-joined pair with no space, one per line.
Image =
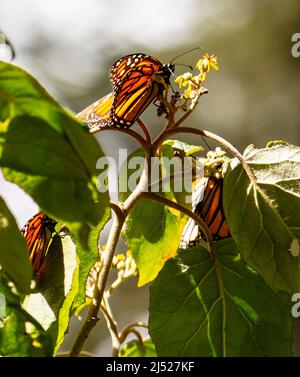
255,97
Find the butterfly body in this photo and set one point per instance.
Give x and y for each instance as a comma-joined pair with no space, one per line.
137,80
38,232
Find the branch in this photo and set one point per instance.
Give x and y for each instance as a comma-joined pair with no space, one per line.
186,211
145,130
91,318
144,143
121,210
113,330
229,147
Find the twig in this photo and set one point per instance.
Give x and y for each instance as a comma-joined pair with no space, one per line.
121,210
145,130
91,318
186,211
229,147
133,325
112,328
139,337
144,144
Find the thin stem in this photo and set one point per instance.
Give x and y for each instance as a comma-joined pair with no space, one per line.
201,91
229,147
139,337
144,143
121,211
113,330
91,318
186,211
82,354
145,130
132,326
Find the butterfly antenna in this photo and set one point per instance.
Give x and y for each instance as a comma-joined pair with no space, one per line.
186,52
208,146
185,65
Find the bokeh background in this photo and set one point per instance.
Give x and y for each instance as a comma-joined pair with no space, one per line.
69,46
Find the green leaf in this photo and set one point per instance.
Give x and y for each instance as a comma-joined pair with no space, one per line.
52,156
134,349
57,287
176,163
20,334
264,219
42,162
152,231
14,257
21,94
178,145
203,308
47,151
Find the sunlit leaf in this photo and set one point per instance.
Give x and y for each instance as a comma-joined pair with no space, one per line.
57,287
50,154
14,257
199,307
152,232
20,334
264,220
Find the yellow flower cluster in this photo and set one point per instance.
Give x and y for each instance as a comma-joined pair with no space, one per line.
193,83
125,265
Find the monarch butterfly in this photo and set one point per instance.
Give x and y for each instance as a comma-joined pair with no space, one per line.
137,80
207,204
38,232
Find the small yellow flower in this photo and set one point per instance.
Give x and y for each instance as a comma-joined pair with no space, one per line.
184,79
206,62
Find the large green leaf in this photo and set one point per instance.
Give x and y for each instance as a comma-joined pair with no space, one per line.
14,257
57,287
44,163
20,334
264,219
52,156
152,231
47,151
203,308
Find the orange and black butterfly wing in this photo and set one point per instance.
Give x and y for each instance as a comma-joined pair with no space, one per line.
128,64
135,83
210,209
134,96
191,233
37,232
98,113
137,80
